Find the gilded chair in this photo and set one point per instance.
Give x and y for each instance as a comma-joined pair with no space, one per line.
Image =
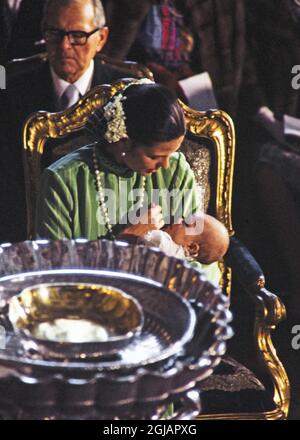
209,147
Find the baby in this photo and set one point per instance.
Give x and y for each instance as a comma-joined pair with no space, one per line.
202,240
184,240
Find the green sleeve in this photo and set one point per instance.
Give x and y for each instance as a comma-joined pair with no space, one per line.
55,206
184,181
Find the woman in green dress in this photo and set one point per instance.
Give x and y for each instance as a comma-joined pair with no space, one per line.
131,181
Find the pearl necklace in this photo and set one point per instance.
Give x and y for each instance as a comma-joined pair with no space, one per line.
101,198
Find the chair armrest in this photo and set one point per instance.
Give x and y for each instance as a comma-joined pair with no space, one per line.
269,311
269,307
246,268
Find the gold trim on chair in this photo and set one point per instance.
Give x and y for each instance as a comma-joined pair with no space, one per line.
218,127
269,312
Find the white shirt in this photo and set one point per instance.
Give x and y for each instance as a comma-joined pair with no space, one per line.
164,242
83,84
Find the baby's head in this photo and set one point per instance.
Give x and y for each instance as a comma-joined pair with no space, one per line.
202,237
209,245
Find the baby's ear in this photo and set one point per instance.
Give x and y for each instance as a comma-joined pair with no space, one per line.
193,249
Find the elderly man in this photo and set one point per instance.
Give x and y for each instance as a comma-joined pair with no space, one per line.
74,32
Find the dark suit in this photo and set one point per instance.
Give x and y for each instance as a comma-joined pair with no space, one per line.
34,91
27,94
26,29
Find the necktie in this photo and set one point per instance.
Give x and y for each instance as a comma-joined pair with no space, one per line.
69,97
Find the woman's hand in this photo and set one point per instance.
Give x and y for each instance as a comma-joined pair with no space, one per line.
151,219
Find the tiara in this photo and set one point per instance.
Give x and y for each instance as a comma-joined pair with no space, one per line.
115,116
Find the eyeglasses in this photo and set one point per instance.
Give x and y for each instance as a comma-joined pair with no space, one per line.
76,38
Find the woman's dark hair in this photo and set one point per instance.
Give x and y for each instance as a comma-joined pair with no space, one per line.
152,113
